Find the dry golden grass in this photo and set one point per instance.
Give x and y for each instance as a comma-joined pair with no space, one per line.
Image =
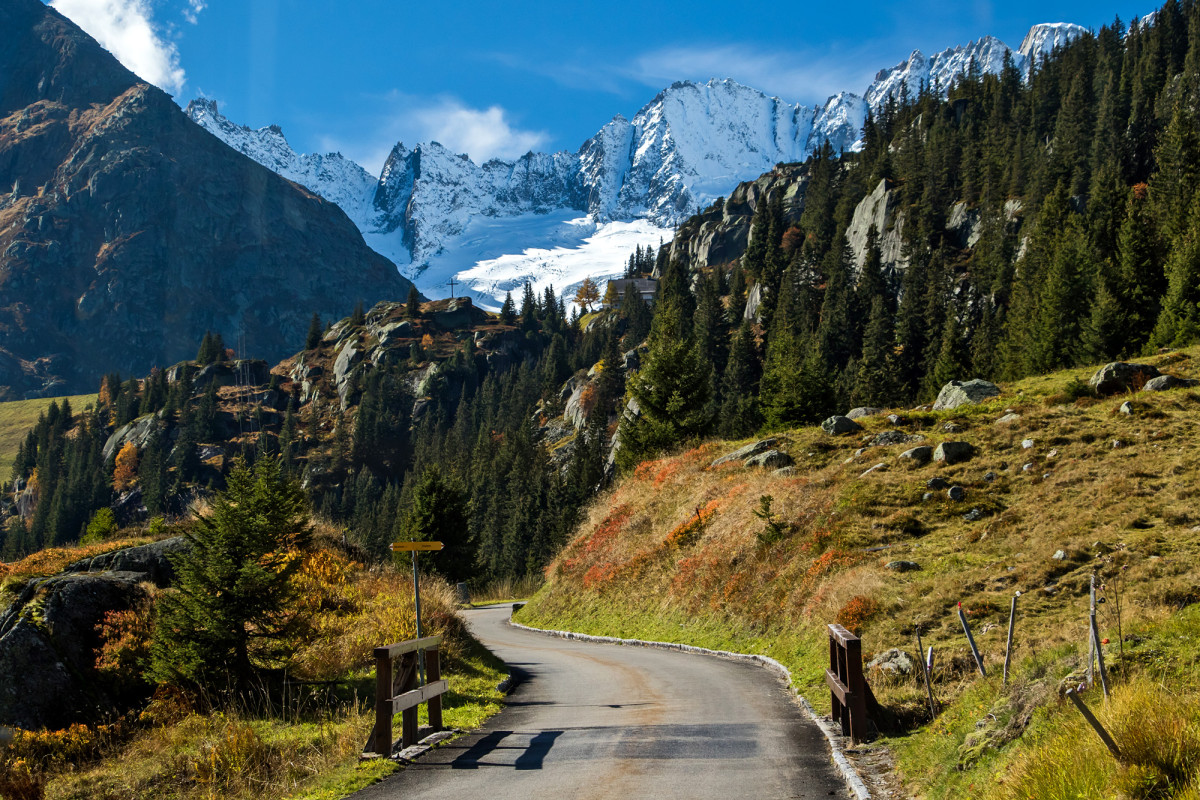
1116,493
19,416
255,749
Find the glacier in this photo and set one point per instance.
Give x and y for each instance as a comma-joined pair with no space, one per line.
557,218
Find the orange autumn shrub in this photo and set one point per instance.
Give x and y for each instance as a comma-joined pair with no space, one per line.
689,531
858,610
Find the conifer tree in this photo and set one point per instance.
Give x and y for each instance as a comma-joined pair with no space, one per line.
439,513
412,307
508,311
315,330
228,613
671,391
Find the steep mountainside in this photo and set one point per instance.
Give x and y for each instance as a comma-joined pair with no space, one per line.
126,230
689,145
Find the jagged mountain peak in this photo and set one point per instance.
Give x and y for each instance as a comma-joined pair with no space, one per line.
1043,38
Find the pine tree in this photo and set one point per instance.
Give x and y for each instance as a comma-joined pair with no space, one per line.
1179,321
439,513
508,311
876,383
315,330
671,391
412,307
358,317
228,613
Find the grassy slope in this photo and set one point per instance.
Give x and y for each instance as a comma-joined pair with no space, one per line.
18,416
643,566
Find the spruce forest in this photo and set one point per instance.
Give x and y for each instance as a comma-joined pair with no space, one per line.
1081,191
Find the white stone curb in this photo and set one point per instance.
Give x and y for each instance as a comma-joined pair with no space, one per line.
853,781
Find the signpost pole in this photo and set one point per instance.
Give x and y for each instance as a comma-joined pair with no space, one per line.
417,604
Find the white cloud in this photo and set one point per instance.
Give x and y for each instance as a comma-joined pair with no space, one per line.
482,134
126,29
793,76
192,12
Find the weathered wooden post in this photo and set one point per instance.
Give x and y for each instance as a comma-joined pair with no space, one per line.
408,682
971,641
925,671
434,672
1012,619
1095,723
847,686
383,702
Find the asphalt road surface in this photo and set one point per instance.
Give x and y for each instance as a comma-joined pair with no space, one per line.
607,721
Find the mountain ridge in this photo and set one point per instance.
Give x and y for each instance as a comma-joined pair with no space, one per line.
690,144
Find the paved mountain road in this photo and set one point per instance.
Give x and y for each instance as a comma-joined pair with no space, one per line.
609,721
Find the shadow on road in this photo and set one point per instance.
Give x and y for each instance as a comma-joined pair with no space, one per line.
532,757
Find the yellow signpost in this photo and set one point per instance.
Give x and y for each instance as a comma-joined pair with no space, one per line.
414,547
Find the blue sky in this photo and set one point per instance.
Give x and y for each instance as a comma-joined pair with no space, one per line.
498,79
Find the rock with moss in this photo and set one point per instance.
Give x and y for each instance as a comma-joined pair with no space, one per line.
964,393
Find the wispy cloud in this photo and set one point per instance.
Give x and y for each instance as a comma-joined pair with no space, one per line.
192,12
793,76
127,30
481,133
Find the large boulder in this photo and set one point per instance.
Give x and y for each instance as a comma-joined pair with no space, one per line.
839,425
953,452
862,411
152,560
1121,376
1164,382
771,459
742,453
964,393
48,640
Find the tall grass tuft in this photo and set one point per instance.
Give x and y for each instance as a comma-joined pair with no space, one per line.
1157,732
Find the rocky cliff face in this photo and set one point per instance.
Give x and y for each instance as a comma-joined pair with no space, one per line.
126,230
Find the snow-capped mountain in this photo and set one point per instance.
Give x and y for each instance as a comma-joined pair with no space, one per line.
557,218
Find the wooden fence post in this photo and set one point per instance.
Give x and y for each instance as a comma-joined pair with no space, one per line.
847,686
383,702
925,672
434,672
1012,619
971,641
1095,723
408,677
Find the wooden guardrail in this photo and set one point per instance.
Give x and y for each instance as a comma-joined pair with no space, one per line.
399,691
846,683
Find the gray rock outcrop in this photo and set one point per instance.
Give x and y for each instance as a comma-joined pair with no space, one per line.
1166,382
963,393
1121,376
771,459
892,662
953,452
838,425
747,451
862,411
918,456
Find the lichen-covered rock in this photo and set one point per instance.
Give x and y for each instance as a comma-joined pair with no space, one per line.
1165,382
963,393
888,438
953,452
771,459
48,640
1121,376
917,456
152,560
746,451
838,425
862,411
902,566
893,662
